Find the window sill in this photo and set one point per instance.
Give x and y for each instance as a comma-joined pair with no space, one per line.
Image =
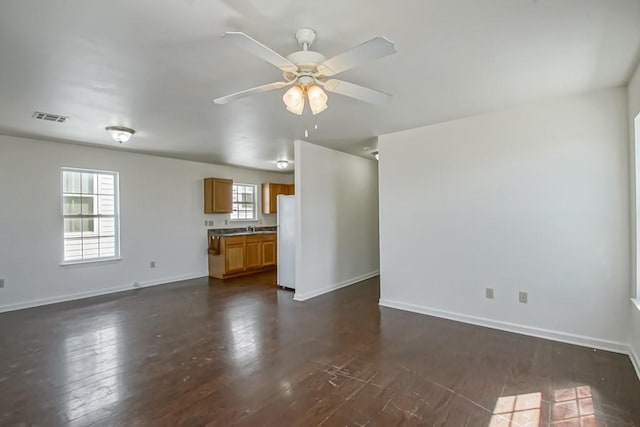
636,302
243,220
89,261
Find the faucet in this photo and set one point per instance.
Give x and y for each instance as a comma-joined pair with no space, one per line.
251,228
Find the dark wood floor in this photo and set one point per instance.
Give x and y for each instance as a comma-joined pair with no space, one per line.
242,352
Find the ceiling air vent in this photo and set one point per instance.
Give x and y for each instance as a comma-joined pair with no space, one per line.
49,117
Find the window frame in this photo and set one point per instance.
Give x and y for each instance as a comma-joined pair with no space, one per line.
115,216
255,203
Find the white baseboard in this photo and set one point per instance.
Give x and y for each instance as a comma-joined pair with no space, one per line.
307,296
95,292
585,341
635,360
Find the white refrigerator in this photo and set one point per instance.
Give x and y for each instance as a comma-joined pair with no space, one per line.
286,206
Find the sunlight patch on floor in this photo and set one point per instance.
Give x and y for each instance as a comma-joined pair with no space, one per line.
571,406
518,410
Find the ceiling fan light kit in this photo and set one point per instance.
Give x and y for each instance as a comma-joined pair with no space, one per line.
307,71
294,99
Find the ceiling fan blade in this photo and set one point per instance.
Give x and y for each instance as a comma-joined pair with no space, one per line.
253,46
375,48
358,92
244,93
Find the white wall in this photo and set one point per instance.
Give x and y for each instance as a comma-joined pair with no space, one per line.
534,199
162,219
634,148
337,218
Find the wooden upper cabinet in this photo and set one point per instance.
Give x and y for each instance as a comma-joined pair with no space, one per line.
270,191
218,195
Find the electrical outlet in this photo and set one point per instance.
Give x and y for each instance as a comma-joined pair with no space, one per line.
152,264
489,293
206,222
523,298
211,224
1,283
226,222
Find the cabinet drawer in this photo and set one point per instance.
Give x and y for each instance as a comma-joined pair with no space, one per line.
254,239
268,237
234,240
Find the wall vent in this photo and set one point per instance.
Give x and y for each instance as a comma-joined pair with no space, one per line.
49,117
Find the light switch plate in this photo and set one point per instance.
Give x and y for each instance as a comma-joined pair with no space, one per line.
1,283
489,293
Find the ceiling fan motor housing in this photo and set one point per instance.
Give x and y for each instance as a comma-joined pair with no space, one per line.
306,60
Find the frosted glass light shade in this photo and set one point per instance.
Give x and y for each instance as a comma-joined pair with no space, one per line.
119,133
317,99
294,99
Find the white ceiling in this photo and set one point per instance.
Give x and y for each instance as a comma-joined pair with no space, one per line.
157,65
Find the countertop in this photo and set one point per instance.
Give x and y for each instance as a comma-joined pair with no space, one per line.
245,233
214,233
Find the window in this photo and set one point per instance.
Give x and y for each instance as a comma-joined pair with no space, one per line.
244,202
90,215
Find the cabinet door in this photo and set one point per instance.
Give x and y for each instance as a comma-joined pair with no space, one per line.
270,192
234,257
208,195
254,255
218,195
273,196
267,198
222,196
269,252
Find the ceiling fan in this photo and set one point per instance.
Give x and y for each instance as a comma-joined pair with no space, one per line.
307,72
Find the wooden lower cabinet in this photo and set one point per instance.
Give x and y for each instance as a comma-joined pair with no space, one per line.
254,253
240,255
235,258
269,252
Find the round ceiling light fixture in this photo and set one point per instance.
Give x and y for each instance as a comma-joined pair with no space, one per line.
120,133
282,164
